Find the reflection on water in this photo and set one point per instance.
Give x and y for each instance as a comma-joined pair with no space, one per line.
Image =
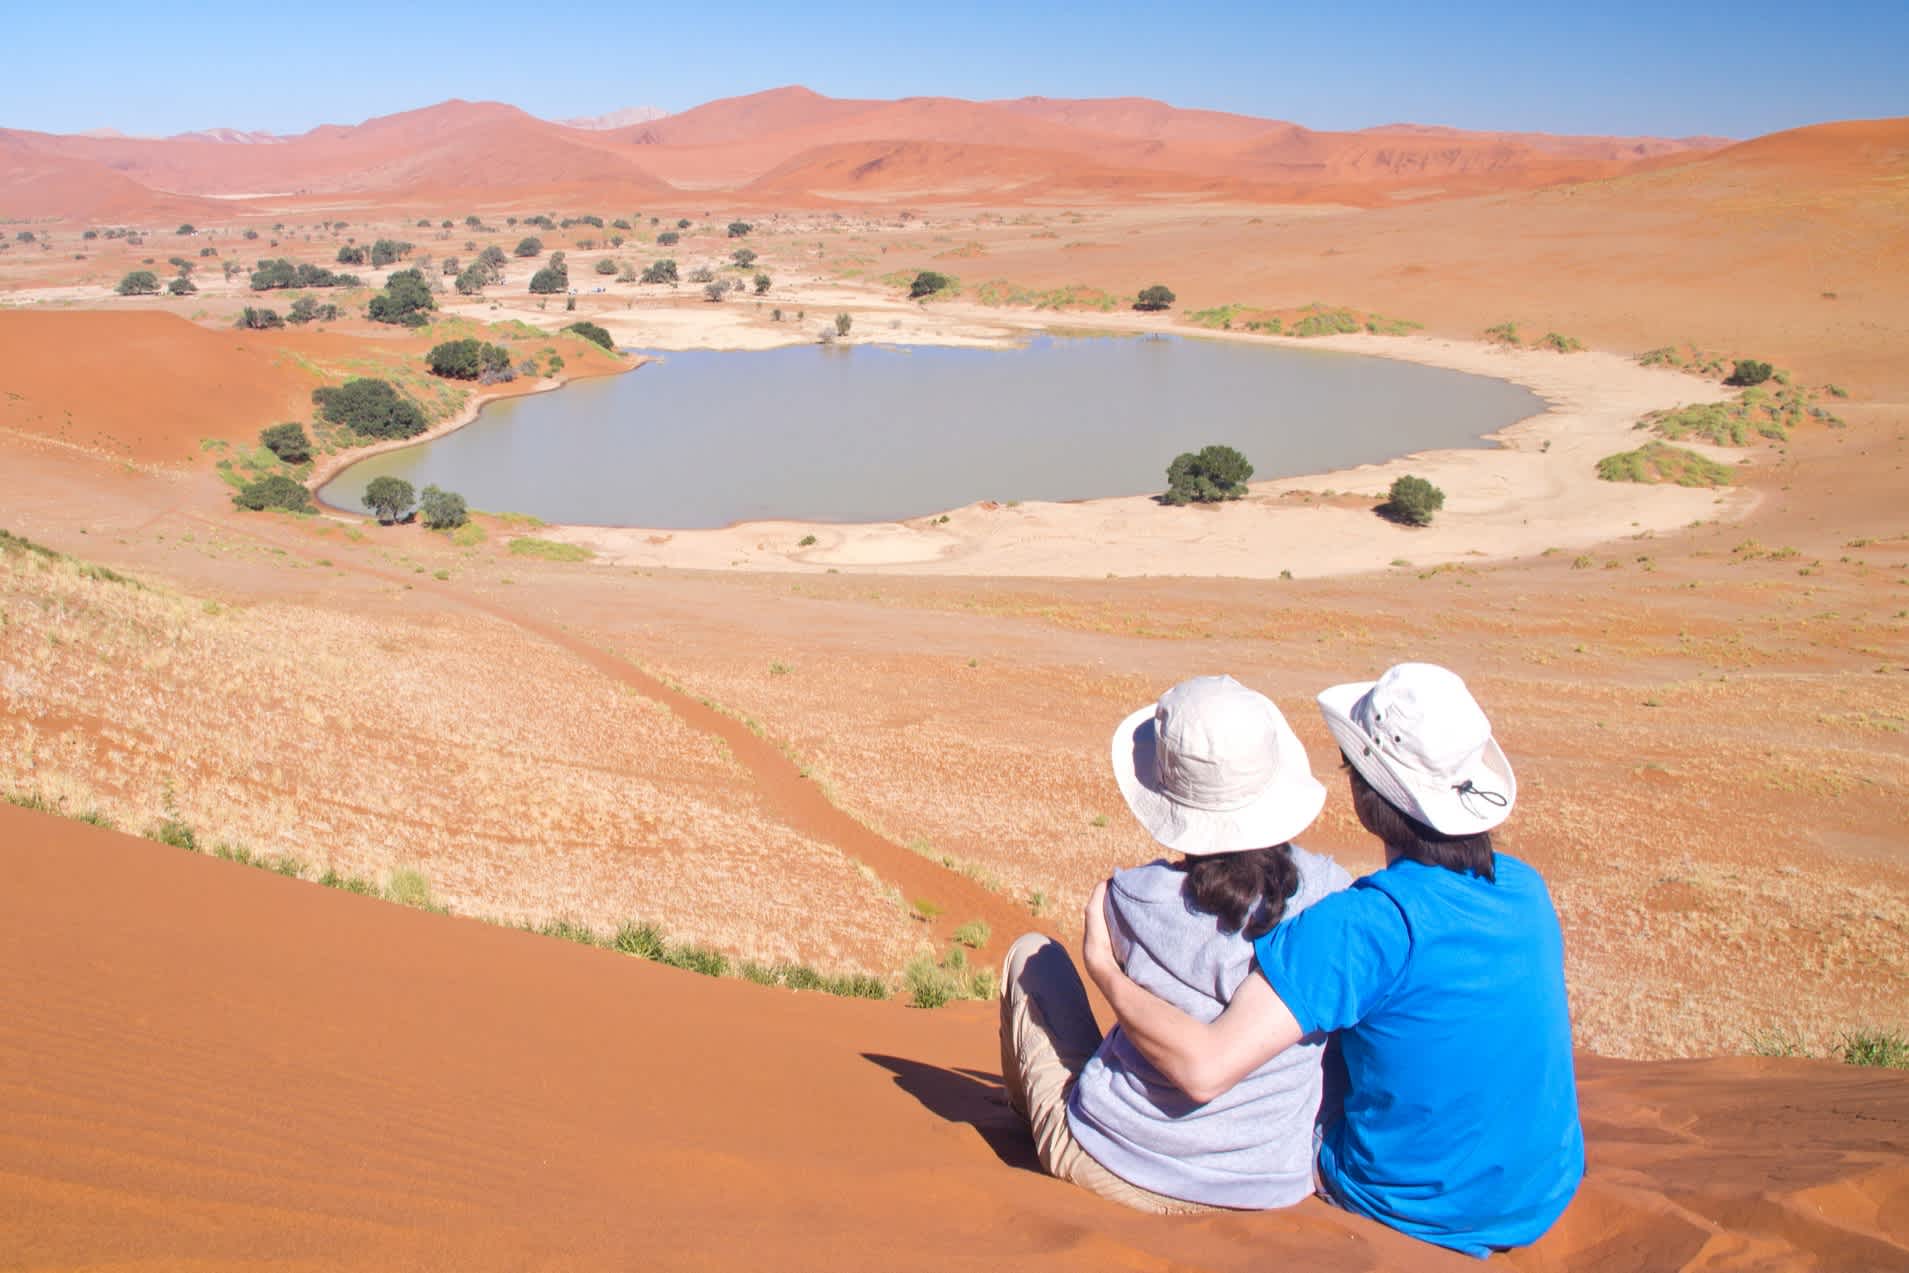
871,433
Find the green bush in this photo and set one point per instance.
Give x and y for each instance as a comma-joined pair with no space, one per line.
594,334
932,985
530,246
606,266
139,283
974,934
469,359
351,255
182,286
1326,322
277,273
763,282
287,441
1156,297
442,510
1207,476
927,283
739,228
842,324
1886,1049
660,271
1748,372
405,301
1412,501
251,319
307,310
387,252
371,408
274,491
390,498
743,257
1503,334
176,833
668,238
645,941
551,279
1562,344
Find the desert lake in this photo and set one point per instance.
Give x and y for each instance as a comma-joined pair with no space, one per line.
863,433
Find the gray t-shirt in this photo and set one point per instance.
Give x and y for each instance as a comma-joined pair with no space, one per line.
1250,1147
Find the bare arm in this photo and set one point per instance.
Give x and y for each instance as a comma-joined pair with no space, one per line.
1202,1059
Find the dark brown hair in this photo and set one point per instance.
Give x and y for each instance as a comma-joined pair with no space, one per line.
1247,890
1410,838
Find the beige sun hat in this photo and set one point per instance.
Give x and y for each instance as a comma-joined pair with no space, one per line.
1214,768
1420,738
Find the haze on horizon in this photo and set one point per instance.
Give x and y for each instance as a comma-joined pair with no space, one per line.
1708,69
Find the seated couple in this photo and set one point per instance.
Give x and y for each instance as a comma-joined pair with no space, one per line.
1398,1044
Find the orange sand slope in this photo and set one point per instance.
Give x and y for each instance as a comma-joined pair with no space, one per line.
141,384
1085,148
214,1067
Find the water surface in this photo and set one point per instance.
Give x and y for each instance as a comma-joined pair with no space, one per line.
874,433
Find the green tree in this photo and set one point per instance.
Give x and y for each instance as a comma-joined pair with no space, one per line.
842,323
605,265
927,283
762,283
258,320
660,271
471,282
287,441
406,300
276,491
387,251
390,498
351,254
371,408
743,257
1748,372
464,359
1207,476
1412,501
737,228
1154,298
715,291
442,510
530,246
182,286
668,238
592,332
139,283
551,279
307,310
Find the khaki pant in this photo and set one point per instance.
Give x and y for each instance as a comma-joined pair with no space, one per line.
1047,1036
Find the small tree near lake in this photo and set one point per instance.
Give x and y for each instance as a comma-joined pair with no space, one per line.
1157,297
1207,476
390,498
441,509
927,283
1412,501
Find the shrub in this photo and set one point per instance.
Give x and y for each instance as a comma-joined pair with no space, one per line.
763,283
739,228
351,255
258,319
645,941
1883,1048
275,273
842,323
1323,321
275,491
530,246
974,934
1562,344
927,283
138,283
389,497
287,441
1659,462
593,333
931,985
387,251
1748,372
660,271
744,257
467,359
182,286
1156,297
715,291
175,833
409,887
1412,501
371,408
406,300
551,279
441,509
1212,474
702,274
668,238
1503,334
473,280
606,266
306,310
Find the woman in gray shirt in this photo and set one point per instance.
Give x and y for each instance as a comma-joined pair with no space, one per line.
1213,772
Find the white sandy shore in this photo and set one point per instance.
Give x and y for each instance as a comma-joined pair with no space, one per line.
1538,489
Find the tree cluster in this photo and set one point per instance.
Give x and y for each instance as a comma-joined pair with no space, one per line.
287,441
469,360
660,271
306,310
1207,476
258,320
370,408
275,273
275,491
388,252
406,300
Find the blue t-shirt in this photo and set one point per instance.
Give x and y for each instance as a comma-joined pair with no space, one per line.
1461,1110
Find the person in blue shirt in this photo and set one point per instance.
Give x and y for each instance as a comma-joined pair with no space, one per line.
1443,975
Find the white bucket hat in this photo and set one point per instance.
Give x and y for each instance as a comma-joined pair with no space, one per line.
1422,741
1214,768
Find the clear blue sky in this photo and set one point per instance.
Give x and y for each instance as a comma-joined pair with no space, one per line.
1664,68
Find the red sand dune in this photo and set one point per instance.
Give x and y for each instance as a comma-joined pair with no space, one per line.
1106,146
213,1067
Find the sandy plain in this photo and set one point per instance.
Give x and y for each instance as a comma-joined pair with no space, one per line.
1707,708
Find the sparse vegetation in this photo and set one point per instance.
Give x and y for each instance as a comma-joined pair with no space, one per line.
1656,462
842,324
934,985
974,934
1504,334
1560,344
662,270
278,273
548,549
1208,476
1885,1049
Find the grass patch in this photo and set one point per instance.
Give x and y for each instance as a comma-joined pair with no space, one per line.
1884,1049
1504,334
1000,292
567,930
175,832
548,549
1219,318
934,984
1657,462
409,887
348,884
974,934
469,535
1325,320
1561,344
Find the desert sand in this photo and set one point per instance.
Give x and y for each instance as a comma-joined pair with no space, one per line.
838,754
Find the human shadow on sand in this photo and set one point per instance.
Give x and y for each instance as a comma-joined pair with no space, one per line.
974,1097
